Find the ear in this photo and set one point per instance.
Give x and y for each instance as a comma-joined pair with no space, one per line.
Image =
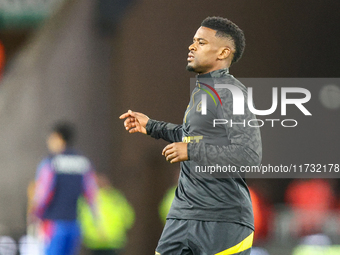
225,53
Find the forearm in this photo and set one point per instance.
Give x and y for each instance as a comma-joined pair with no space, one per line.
234,154
167,131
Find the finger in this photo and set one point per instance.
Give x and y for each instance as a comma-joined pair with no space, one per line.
124,115
169,146
170,154
129,113
164,150
133,114
129,120
169,157
133,130
174,160
128,123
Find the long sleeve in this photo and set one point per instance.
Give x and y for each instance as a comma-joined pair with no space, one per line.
44,189
167,131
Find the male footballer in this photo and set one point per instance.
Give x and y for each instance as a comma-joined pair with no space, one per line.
209,214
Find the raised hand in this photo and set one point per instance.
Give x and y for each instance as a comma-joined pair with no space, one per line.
135,121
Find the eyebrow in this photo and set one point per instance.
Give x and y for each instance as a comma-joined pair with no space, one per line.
200,39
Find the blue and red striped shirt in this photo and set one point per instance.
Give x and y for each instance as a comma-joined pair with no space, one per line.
61,179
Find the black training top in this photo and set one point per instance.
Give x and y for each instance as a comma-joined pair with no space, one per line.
211,186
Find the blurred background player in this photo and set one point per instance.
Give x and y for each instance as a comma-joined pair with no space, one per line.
61,179
115,215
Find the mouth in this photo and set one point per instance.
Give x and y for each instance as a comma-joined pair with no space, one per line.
190,56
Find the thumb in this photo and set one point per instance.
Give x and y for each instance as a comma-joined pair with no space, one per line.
132,113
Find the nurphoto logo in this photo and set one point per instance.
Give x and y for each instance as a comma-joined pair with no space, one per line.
239,103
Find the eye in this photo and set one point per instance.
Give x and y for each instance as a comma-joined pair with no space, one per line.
201,43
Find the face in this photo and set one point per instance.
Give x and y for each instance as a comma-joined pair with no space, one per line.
207,52
55,143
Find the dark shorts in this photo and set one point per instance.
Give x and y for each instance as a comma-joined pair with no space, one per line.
193,237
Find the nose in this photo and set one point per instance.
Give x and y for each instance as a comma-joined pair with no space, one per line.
192,47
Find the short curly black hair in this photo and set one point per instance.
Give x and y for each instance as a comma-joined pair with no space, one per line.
226,28
66,130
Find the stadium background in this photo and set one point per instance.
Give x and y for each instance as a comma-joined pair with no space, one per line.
90,61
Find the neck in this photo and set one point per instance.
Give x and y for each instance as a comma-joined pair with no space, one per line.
225,69
216,68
